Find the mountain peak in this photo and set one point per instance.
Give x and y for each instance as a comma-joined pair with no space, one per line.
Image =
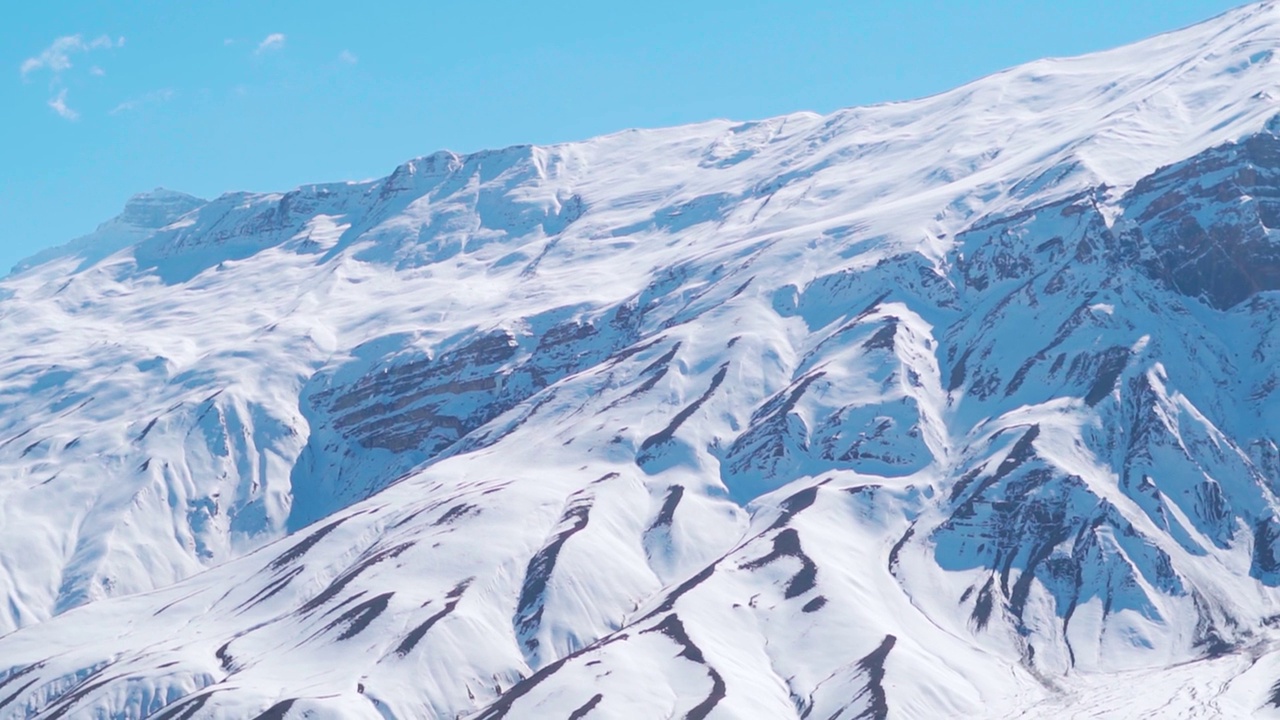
158,208
143,214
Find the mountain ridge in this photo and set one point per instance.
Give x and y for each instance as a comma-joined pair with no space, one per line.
1229,30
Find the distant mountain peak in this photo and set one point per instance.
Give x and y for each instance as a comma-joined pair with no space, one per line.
158,208
143,214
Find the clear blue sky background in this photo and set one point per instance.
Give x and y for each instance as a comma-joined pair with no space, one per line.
192,99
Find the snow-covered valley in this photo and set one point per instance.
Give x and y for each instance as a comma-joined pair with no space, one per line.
959,407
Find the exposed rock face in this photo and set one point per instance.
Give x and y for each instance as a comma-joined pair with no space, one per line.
1208,226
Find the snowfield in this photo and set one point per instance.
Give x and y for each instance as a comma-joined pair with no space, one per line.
960,407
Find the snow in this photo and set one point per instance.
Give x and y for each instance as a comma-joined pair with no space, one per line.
920,409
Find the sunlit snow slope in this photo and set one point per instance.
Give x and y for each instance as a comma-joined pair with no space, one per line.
961,407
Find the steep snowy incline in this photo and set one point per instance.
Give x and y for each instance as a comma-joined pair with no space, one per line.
920,409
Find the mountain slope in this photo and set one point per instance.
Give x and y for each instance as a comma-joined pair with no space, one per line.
954,407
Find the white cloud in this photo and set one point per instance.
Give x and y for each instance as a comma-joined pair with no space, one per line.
57,57
348,57
155,97
56,60
59,105
274,41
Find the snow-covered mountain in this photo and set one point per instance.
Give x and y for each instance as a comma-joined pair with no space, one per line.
960,407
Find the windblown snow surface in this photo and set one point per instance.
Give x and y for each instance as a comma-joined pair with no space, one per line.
961,407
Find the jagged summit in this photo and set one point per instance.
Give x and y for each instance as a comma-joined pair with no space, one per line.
962,406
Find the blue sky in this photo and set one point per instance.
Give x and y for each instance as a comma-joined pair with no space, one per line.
104,99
